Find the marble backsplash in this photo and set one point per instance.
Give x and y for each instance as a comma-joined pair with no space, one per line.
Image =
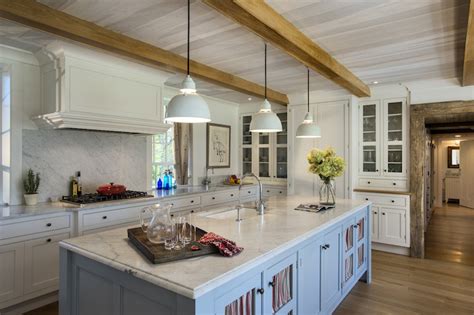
101,157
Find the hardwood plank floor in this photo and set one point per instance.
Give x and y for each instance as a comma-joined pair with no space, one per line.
405,285
450,235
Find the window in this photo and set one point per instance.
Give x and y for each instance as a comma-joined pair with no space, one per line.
6,134
162,152
453,157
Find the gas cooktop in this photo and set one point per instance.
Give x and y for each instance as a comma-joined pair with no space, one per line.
94,198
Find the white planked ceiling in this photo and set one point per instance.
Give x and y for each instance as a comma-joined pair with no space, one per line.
379,40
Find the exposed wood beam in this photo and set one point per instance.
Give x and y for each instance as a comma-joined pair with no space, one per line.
42,17
264,21
468,70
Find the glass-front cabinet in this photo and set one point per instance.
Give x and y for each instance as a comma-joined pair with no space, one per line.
382,140
265,154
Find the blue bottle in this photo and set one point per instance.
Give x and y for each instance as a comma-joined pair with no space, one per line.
166,181
159,184
171,179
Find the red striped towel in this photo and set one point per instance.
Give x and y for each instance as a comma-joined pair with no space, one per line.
226,247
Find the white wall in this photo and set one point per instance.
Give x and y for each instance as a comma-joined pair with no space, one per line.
222,112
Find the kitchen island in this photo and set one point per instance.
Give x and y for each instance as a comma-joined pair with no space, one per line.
293,262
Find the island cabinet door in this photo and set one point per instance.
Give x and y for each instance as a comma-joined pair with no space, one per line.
280,287
349,252
309,266
374,224
11,271
360,235
245,299
330,269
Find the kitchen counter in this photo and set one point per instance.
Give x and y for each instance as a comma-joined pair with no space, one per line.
20,211
263,238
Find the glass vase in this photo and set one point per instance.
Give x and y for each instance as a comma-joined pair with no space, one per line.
327,192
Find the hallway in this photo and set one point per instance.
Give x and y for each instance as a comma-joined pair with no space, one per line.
450,235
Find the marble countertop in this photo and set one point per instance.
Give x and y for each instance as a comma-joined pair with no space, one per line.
262,237
20,211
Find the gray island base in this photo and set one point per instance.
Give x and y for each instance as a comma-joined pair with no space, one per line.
294,262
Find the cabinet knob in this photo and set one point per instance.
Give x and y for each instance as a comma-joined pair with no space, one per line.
383,213
249,192
385,171
394,184
271,284
281,192
192,201
376,170
393,201
232,195
368,182
213,198
48,224
261,291
268,191
355,226
326,246
48,240
104,217
367,199
375,212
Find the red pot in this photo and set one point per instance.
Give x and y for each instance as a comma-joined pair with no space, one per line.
111,189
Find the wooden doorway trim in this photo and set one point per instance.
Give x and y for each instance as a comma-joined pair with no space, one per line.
420,115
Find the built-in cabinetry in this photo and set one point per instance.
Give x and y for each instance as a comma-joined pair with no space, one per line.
265,154
383,144
29,256
390,223
312,276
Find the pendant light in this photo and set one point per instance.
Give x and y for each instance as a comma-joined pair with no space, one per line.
265,120
308,128
188,107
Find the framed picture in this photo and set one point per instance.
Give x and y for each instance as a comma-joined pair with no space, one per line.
218,146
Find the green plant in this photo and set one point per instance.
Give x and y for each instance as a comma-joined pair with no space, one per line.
31,182
325,163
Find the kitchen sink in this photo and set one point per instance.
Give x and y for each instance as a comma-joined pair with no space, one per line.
230,213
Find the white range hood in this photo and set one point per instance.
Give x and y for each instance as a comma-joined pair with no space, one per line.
86,89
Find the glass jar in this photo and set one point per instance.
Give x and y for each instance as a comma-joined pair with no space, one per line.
327,192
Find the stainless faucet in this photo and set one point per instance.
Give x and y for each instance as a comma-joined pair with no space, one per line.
260,205
207,180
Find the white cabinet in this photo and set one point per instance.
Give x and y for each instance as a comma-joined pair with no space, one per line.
245,298
42,262
331,262
265,154
11,271
383,143
390,218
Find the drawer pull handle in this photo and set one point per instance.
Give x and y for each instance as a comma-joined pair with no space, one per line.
281,192
268,191
104,217
393,201
271,284
368,183
48,240
367,199
375,212
385,170
192,201
326,246
355,226
383,213
394,184
232,195
376,170
172,204
213,198
261,291
249,192
48,224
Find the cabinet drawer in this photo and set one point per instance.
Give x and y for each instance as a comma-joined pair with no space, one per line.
220,197
383,183
248,192
185,202
384,200
34,226
269,192
106,218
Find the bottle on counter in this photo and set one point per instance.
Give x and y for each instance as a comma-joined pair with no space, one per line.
73,187
171,179
79,184
166,181
159,184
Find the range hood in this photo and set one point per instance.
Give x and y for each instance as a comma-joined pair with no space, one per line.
86,89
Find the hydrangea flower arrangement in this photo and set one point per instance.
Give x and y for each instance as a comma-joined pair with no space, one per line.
326,164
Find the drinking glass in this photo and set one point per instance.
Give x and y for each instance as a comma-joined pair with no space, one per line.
169,236
180,228
188,228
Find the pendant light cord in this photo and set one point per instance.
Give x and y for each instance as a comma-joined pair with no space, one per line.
308,89
265,70
189,30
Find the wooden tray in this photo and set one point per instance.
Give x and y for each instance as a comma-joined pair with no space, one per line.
157,254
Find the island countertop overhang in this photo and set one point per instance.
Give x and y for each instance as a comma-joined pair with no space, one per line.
263,238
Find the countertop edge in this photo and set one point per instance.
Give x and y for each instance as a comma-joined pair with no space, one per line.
219,280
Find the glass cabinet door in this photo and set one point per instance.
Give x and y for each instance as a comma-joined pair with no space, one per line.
242,300
281,280
349,250
370,138
281,156
264,162
361,239
246,134
394,138
246,145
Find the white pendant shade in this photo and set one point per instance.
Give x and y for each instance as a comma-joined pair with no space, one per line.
308,128
188,107
265,120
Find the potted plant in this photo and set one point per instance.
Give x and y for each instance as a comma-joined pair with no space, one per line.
327,165
31,185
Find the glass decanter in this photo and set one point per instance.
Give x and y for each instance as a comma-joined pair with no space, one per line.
160,227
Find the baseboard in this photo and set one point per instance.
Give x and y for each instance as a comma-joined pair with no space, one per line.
399,250
30,305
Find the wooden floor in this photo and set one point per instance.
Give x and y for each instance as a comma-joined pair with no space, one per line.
450,235
404,285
